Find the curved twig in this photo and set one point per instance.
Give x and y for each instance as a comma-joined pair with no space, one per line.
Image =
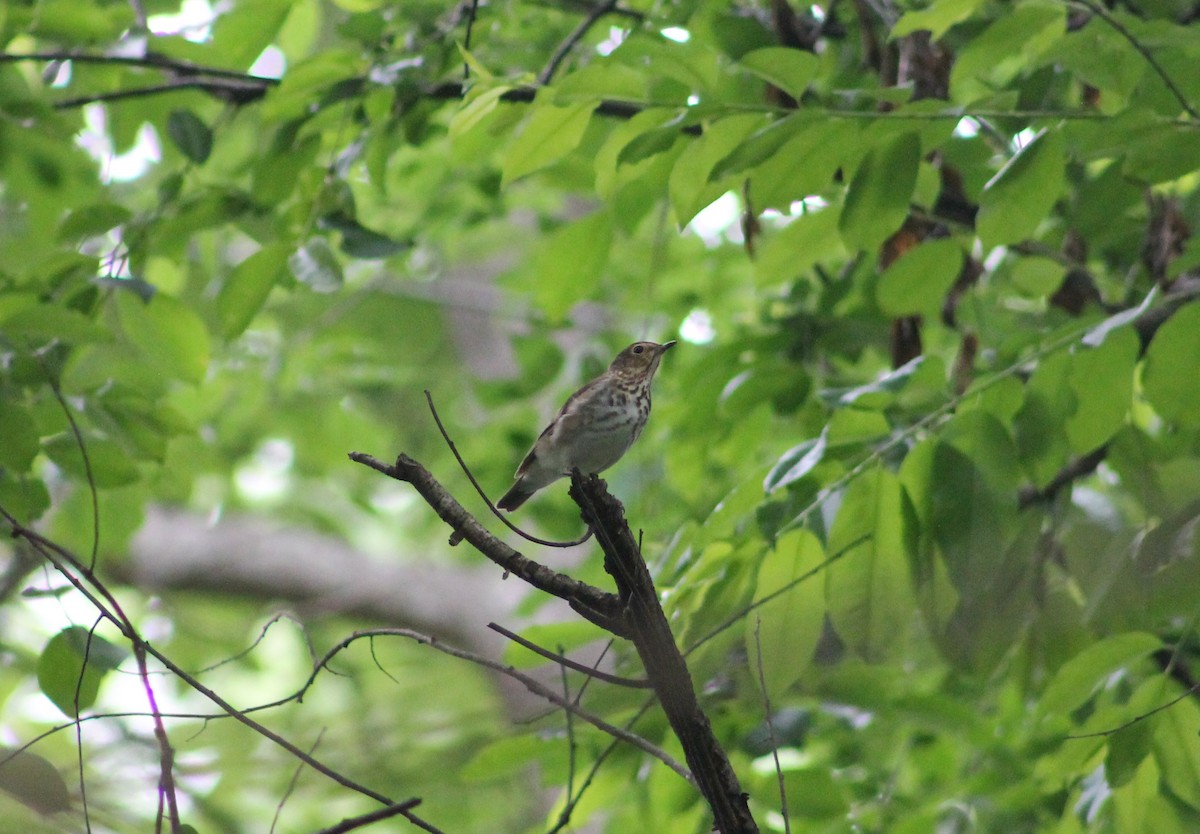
67,564
566,662
1120,28
577,34
525,680
457,535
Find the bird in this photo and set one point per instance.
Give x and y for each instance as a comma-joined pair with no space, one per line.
595,427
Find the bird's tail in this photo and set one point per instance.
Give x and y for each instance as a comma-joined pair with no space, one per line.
515,497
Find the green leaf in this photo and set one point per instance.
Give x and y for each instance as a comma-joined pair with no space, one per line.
19,441
689,187
1169,378
480,104
1142,805
1163,153
360,242
869,589
652,141
787,629
854,426
917,283
1037,277
33,781
1008,47
796,462
26,498
110,464
244,30
878,197
761,145
72,666
1131,744
246,288
192,136
791,70
1019,197
1102,381
936,19
814,792
1074,683
92,220
548,134
1178,753
778,181
1040,425
965,515
36,324
169,333
80,23
315,265
567,264
807,240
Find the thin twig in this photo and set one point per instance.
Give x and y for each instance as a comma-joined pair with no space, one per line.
1119,27
149,61
1101,733
83,453
83,799
534,686
238,91
68,564
572,747
295,780
594,604
351,823
472,10
766,697
564,816
566,662
577,34
735,617
457,537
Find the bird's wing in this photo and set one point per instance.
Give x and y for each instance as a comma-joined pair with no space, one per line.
563,420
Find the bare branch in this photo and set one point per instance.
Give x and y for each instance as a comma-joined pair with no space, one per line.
577,34
766,697
528,682
351,823
1073,471
594,604
665,666
567,663
1101,733
68,565
457,537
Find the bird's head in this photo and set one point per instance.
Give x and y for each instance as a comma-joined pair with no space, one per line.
640,358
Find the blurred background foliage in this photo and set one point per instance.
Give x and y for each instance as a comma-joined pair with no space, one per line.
931,265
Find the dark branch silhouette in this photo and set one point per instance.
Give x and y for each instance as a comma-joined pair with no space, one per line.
597,606
651,635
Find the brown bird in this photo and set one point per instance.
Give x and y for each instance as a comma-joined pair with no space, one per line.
596,425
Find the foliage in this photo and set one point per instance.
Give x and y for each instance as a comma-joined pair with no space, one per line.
932,266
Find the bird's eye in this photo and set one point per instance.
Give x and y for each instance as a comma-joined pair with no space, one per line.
638,349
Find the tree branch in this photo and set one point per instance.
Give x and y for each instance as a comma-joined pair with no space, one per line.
577,34
84,580
1074,470
592,603
528,682
665,666
567,663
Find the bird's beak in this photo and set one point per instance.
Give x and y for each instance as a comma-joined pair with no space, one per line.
665,346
